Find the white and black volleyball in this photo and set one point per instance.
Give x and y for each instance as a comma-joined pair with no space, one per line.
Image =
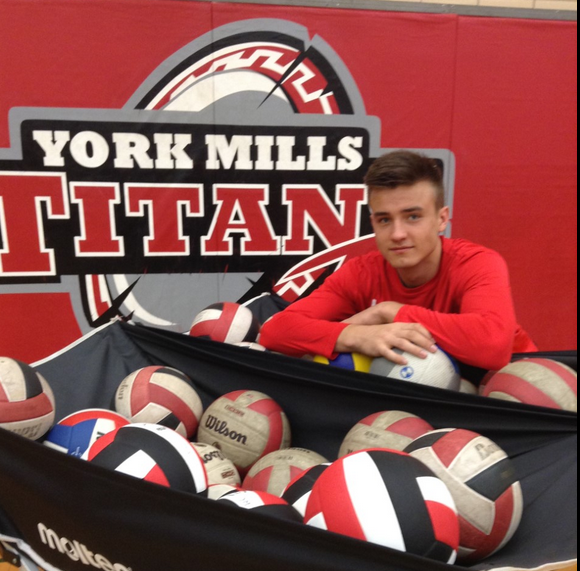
298,491
151,453
262,503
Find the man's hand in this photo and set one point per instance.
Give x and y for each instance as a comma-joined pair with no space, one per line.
381,340
377,315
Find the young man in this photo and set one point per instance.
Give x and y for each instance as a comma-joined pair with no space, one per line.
419,291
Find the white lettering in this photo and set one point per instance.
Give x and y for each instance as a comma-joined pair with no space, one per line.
264,162
52,143
286,160
353,159
77,551
89,149
316,161
238,149
171,151
132,148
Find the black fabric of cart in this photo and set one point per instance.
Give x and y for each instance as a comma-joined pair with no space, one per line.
70,515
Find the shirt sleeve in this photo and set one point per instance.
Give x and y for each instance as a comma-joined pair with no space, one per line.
313,325
482,332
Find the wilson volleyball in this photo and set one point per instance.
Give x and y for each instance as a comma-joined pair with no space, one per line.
76,433
160,395
393,429
27,404
220,470
298,491
226,322
540,382
151,453
348,361
436,370
275,471
482,480
388,498
262,503
245,426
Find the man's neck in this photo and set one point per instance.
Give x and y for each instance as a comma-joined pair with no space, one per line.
424,273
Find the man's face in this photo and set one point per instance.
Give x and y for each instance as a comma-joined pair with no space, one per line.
407,224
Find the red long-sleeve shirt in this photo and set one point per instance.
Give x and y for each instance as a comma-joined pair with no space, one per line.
467,307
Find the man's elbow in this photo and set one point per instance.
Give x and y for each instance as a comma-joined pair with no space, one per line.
269,333
496,352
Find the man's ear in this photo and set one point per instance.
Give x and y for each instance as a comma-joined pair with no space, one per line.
443,218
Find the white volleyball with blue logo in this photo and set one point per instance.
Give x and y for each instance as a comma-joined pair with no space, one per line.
76,433
437,370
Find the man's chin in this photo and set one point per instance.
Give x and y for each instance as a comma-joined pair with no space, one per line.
399,259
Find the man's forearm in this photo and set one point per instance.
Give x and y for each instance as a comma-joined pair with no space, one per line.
380,314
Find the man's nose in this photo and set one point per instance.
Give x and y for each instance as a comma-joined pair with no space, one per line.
399,230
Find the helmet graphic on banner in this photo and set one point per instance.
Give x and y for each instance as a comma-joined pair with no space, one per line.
268,73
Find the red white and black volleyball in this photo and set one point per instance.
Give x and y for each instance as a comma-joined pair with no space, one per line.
160,395
389,498
482,480
151,453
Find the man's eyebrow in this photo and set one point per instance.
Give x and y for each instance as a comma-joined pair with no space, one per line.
406,211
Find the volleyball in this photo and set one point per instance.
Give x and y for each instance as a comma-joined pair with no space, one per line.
245,426
151,453
348,361
436,370
275,471
298,491
252,346
262,503
77,432
220,470
539,382
388,498
217,491
160,395
227,323
27,405
393,429
467,387
483,483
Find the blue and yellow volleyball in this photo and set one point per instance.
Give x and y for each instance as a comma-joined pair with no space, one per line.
349,361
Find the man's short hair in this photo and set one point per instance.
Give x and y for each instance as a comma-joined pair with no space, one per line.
405,168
